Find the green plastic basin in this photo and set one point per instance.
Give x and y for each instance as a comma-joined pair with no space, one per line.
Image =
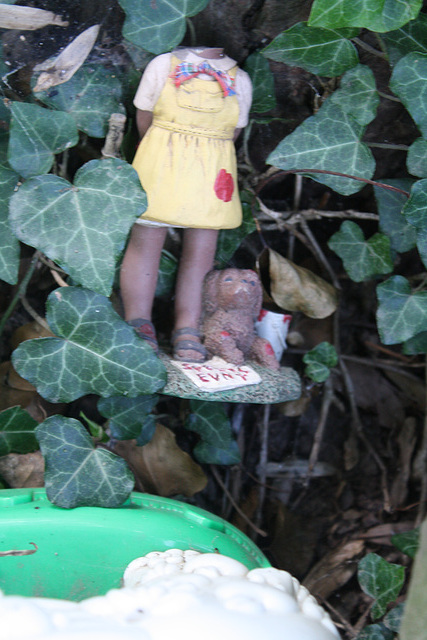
83,552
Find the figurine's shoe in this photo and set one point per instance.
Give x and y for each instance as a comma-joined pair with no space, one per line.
181,346
145,329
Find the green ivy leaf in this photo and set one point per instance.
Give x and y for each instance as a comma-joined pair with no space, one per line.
329,141
4,125
229,240
394,617
390,204
416,159
407,542
381,580
17,431
375,632
408,82
357,94
82,227
362,258
95,352
401,314
167,274
319,361
411,37
217,445
324,52
376,15
9,244
36,135
126,416
415,212
90,97
158,26
263,95
416,345
77,474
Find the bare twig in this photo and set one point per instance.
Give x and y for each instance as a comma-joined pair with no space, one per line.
318,436
319,253
21,290
423,460
29,309
263,459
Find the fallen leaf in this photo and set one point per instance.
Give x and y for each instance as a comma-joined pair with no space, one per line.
27,18
22,470
334,569
295,288
29,331
63,67
161,466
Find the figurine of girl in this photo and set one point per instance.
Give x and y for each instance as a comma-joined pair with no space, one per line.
191,105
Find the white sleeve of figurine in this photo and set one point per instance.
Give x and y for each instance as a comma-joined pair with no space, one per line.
152,82
244,96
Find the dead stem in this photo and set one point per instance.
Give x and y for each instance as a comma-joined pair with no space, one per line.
423,460
263,459
328,393
29,309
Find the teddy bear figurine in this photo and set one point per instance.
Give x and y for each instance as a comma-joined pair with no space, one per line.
232,301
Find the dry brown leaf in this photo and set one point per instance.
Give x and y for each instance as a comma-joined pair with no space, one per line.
22,470
161,466
334,569
62,68
27,18
29,331
295,288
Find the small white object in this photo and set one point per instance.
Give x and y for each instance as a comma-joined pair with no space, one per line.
274,327
217,374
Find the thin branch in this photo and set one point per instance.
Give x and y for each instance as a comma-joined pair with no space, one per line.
319,253
262,465
21,290
369,49
318,436
29,309
386,145
423,460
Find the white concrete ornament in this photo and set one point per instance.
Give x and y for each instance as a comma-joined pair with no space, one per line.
184,595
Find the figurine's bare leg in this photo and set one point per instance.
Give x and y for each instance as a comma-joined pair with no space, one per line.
198,253
138,276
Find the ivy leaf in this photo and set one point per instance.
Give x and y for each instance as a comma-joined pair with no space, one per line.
329,141
217,445
408,82
416,345
82,227
357,94
126,416
167,274
319,361
407,542
229,240
324,52
77,474
90,97
375,632
5,124
390,204
415,212
36,134
394,617
381,580
401,314
17,431
9,244
95,352
158,26
362,258
381,16
416,159
411,37
263,95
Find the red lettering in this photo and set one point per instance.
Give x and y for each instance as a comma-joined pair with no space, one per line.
203,378
214,377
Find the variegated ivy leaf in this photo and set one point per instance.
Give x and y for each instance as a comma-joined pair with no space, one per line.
17,431
158,26
95,351
411,37
127,417
393,223
416,160
415,212
83,226
381,580
217,445
330,141
263,96
376,15
401,314
90,97
9,244
78,474
229,240
357,94
409,83
36,135
325,52
362,258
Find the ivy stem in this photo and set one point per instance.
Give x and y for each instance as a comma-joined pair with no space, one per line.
367,47
386,145
21,290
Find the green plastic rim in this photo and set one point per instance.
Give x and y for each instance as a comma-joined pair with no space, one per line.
78,553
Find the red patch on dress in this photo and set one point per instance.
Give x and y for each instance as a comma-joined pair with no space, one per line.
224,185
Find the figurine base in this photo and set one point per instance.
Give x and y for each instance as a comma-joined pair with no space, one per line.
275,386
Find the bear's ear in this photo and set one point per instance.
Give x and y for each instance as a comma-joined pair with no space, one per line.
210,292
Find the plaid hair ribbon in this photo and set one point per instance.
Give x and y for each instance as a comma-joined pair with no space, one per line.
186,70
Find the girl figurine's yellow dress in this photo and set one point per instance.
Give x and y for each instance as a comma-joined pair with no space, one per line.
186,161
